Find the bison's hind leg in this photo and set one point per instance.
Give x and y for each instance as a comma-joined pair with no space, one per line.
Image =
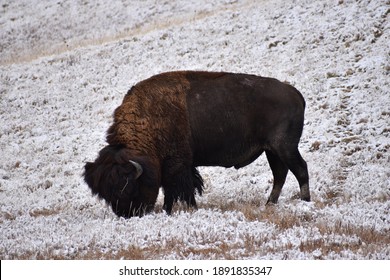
294,161
182,186
279,171
298,167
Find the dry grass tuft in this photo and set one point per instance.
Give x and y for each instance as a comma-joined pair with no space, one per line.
45,212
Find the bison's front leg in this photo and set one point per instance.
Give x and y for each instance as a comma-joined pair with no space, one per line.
181,186
170,198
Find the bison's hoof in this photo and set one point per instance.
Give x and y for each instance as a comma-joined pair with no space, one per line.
271,201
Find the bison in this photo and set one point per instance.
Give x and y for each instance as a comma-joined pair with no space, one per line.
173,122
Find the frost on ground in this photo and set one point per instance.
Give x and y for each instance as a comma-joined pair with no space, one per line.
65,67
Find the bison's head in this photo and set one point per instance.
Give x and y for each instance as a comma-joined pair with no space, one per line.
128,183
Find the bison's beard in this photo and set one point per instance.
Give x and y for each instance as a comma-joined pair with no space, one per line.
130,206
113,178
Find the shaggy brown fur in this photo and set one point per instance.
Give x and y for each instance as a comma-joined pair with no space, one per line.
153,111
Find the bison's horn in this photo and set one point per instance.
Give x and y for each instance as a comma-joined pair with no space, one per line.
138,168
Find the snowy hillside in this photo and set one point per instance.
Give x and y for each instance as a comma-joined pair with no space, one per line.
65,67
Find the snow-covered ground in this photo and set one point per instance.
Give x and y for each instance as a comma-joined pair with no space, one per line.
66,65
